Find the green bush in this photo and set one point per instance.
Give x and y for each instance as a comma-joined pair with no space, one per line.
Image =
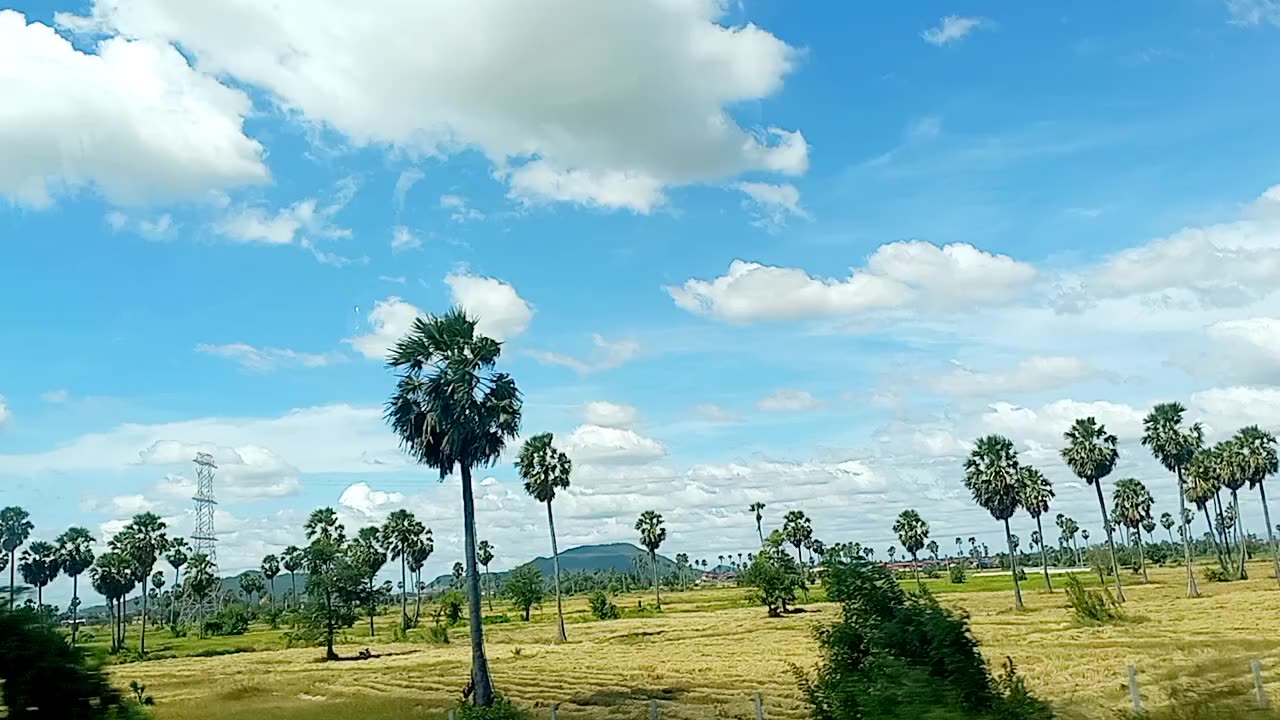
500,619
957,574
438,634
230,620
602,607
1213,574
501,709
1091,606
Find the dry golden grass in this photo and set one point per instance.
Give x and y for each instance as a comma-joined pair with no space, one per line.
705,656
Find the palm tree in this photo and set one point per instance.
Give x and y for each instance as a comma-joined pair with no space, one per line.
15,528
893,551
75,556
912,532
111,576
1167,522
177,557
1258,450
546,469
991,475
932,547
758,508
291,559
484,555
1235,474
1174,447
452,411
1035,492
651,536
270,569
39,567
143,541
201,580
368,555
421,552
1132,503
720,558
1202,484
797,528
1091,454
959,548
682,561
400,535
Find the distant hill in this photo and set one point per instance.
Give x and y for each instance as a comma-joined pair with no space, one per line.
230,585
588,558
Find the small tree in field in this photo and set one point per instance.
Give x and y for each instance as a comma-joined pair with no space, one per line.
775,575
1036,492
526,588
912,531
334,584
652,534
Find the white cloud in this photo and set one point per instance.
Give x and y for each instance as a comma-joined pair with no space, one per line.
1254,12
951,29
302,222
593,444
133,121
244,472
608,414
534,88
1247,350
404,183
499,310
389,320
1044,426
897,275
402,238
789,401
608,354
460,211
1228,409
367,502
772,204
55,397
849,476
1033,374
267,359
5,415
159,227
397,279
715,413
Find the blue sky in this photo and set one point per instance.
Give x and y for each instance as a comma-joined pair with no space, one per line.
952,219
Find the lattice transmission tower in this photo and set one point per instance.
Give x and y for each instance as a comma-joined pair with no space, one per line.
204,539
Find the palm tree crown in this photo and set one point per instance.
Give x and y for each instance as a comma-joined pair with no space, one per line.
1035,491
1162,433
991,475
652,533
912,531
1091,451
543,467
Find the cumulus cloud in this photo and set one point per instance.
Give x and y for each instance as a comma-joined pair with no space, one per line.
594,444
789,401
1033,374
1046,424
499,310
950,29
608,354
1246,350
610,415
268,359
897,275
535,89
244,472
772,204
369,503
303,223
131,120
389,320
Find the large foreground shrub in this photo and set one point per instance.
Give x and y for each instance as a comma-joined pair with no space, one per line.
899,655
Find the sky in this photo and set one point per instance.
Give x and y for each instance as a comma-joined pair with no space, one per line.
735,252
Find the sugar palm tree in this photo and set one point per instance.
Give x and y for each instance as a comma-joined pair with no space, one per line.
1174,447
39,567
143,541
451,412
758,508
201,580
545,469
991,475
75,555
1167,522
796,528
15,528
1201,487
1235,475
932,547
1035,492
368,554
177,557
484,555
270,569
1091,454
1131,502
959,548
421,553
652,534
1258,451
111,576
912,532
292,560
400,535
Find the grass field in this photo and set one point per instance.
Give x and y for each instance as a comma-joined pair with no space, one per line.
708,652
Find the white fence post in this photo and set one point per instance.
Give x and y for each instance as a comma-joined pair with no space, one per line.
453,714
759,707
1263,702
555,711
653,710
1133,689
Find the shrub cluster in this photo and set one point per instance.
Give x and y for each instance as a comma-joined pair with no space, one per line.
603,608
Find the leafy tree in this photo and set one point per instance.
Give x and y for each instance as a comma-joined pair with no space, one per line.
143,541
458,572
15,528
1174,447
652,535
484,556
544,470
401,533
1091,454
451,411
40,565
75,555
758,508
775,575
525,588
912,532
367,556
1258,451
602,608
1035,492
250,585
293,560
992,476
334,584
796,528
1132,502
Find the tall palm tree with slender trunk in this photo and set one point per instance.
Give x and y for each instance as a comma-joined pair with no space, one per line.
453,412
1202,485
421,553
796,528
110,576
484,554
1035,492
992,477
292,560
40,565
270,569
1174,446
1167,522
400,535
545,469
912,532
1258,451
15,528
75,555
758,508
1091,453
1132,502
652,535
143,541
1235,475
932,547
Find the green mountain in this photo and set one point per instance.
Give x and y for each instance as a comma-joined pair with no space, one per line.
619,557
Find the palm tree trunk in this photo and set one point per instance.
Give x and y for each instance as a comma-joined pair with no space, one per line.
142,643
75,605
1271,537
328,627
1192,590
1240,534
404,595
489,579
555,563
417,595
1142,556
12,578
1013,566
293,588
1217,548
759,531
373,608
1111,545
39,597
653,560
273,591
1044,559
915,565
480,679
1222,530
